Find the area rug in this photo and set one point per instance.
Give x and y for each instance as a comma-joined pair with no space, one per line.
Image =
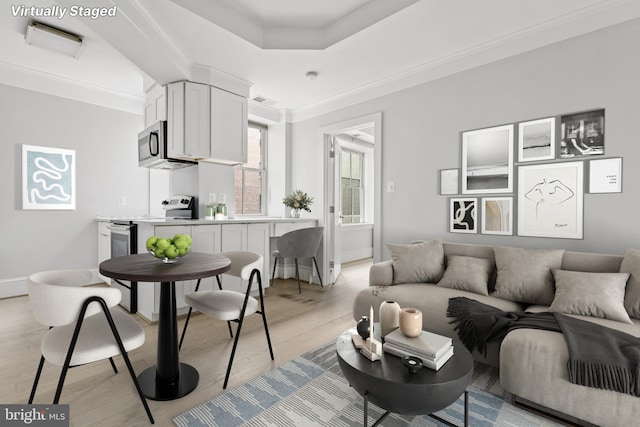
311,391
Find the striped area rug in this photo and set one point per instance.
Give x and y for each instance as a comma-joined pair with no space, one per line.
311,391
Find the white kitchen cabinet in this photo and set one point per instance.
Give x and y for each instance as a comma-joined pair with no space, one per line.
246,237
104,246
206,238
155,106
188,120
229,119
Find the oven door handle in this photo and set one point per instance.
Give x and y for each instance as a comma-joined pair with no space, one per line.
119,228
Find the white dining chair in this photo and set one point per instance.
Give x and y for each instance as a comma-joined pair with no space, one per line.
232,306
82,328
298,244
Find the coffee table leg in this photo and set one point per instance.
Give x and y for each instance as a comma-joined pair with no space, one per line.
466,413
366,413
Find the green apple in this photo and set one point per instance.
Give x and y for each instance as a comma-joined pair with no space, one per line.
151,242
163,243
181,243
171,252
159,253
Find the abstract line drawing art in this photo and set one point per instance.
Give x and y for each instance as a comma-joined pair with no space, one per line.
550,200
462,216
48,178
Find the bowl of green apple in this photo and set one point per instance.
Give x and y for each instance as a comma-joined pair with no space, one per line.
167,249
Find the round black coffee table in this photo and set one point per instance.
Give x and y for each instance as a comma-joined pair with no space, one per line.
388,384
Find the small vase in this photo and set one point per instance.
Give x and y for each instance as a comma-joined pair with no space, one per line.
364,327
411,322
295,213
389,317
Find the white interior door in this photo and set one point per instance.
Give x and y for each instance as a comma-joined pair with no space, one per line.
335,263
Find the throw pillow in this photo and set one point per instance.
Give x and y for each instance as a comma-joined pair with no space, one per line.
591,294
631,264
417,263
524,275
467,273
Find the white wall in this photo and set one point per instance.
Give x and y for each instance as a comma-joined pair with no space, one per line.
105,141
421,134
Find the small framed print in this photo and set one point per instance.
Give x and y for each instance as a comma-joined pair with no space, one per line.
497,215
48,178
462,215
582,134
537,140
449,181
605,175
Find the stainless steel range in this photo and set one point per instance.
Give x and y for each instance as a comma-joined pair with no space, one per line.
124,239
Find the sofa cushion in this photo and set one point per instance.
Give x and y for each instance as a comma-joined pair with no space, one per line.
524,275
591,294
468,274
631,264
419,262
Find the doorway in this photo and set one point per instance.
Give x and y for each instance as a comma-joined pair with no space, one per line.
352,190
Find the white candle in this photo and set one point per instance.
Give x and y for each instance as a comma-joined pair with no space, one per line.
371,328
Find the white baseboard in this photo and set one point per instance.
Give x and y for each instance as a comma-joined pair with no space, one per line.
18,286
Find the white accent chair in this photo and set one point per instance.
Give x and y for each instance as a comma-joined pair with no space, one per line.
82,328
232,306
298,244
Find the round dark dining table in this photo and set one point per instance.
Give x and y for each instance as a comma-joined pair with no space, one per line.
169,379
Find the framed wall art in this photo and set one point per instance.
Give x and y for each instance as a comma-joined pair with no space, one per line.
550,200
462,215
605,175
449,181
487,160
497,215
582,134
537,140
48,178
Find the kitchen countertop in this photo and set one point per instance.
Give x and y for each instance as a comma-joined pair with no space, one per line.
170,221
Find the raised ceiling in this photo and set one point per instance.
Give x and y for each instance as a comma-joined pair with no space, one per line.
391,49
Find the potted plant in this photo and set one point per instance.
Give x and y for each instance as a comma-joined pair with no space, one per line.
297,201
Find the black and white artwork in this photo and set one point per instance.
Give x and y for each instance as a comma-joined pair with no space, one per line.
537,140
550,200
487,160
462,215
497,215
582,134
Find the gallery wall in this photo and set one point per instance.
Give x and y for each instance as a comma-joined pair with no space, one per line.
107,169
421,134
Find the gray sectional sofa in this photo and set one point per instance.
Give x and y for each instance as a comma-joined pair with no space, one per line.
603,289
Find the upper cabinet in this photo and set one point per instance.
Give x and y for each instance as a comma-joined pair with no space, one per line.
206,123
229,117
155,106
188,122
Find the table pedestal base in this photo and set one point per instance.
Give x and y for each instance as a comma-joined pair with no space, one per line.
379,420
155,390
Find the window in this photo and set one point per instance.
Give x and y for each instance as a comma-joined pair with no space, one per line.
352,190
250,177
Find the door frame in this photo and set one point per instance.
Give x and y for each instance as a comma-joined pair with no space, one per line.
324,136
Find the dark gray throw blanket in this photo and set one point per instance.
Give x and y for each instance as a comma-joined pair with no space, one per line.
599,357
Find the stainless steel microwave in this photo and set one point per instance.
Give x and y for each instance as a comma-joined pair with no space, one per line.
152,149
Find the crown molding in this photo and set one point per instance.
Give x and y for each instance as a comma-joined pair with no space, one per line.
564,27
201,73
51,84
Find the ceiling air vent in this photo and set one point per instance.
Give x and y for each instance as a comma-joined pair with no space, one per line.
264,100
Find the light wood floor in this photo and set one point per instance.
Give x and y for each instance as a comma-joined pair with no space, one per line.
98,397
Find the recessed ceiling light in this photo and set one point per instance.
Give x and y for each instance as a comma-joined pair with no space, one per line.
312,75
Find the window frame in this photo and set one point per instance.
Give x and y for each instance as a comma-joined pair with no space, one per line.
264,136
360,188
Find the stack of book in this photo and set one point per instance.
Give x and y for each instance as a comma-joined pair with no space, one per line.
434,350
